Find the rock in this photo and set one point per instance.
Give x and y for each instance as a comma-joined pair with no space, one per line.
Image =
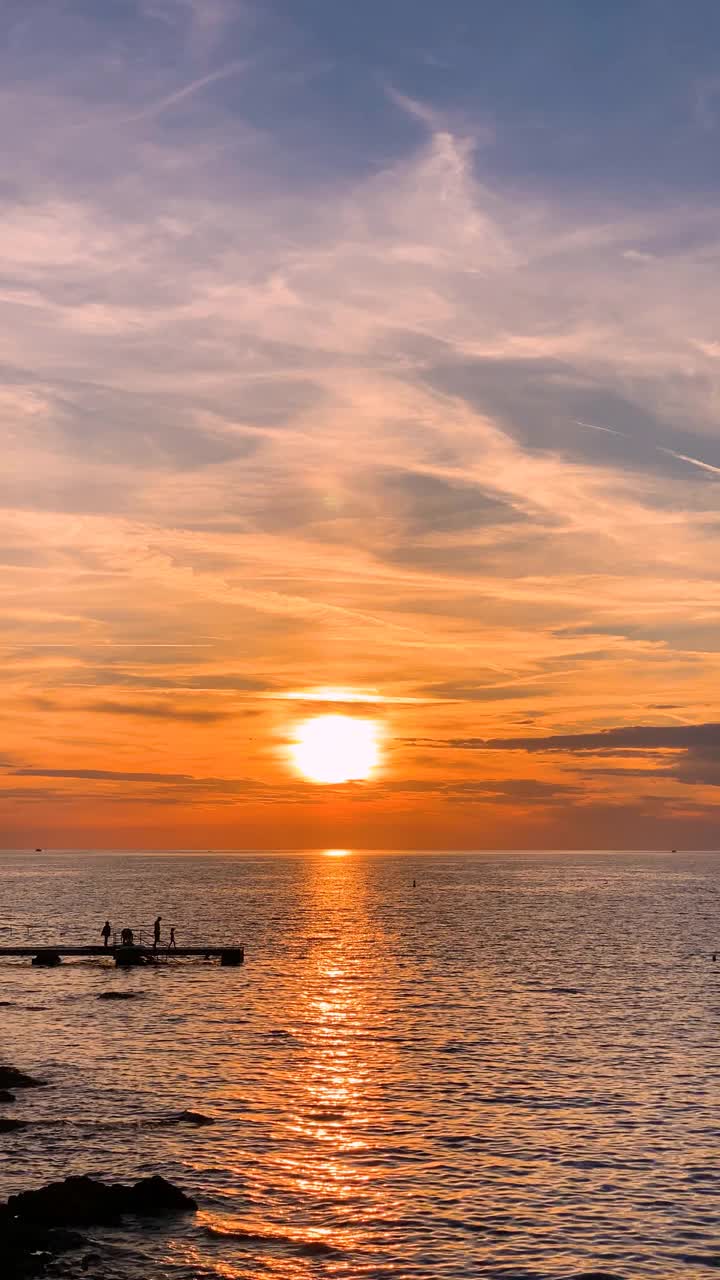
316,1248
117,995
34,1225
6,1097
20,1235
27,1250
83,1201
156,1195
193,1117
11,1078
8,1126
76,1201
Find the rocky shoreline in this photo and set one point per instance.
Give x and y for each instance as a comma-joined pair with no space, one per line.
37,1227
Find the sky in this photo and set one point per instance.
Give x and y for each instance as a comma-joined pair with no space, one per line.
360,360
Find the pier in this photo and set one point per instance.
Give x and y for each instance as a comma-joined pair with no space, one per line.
125,956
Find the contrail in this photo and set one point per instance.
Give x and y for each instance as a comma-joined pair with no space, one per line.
672,453
594,427
155,108
694,462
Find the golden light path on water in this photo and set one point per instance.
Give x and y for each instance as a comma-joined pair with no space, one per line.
324,1153
337,1103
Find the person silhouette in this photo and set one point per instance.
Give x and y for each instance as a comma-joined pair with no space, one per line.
156,933
105,932
172,943
126,937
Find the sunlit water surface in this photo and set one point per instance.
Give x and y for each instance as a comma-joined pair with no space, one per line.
510,1070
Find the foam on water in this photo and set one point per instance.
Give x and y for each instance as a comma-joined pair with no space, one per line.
510,1070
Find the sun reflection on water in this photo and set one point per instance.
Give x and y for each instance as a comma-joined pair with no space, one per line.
324,1161
333,1116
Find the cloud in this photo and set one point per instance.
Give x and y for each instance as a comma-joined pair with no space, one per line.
511,791
688,754
640,737
104,775
458,690
158,711
289,404
169,682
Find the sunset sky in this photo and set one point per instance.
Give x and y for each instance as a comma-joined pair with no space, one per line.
360,359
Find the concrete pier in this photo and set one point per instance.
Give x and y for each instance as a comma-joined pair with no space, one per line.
47,956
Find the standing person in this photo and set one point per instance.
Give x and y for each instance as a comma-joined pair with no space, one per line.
156,933
105,932
172,943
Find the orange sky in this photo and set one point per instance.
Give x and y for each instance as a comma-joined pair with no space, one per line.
439,437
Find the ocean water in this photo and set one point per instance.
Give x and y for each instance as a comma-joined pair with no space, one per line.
510,1070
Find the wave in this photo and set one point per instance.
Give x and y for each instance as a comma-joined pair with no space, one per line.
195,1119
307,1247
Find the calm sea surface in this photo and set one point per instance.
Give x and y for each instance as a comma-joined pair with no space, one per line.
511,1070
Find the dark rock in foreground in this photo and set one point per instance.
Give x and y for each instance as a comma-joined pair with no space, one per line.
11,1078
83,1201
33,1224
27,1250
153,1196
6,1097
8,1126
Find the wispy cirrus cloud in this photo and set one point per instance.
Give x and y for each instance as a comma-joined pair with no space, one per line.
274,423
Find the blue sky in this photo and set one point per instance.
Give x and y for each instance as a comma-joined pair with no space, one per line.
365,346
619,92
615,95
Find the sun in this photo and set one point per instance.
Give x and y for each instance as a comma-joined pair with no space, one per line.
336,748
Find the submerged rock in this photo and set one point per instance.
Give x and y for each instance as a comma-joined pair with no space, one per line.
193,1117
6,1097
118,995
8,1126
11,1078
83,1201
316,1248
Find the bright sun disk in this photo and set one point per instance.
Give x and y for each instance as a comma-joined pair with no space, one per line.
336,748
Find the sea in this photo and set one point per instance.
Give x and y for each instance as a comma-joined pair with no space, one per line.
429,1065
